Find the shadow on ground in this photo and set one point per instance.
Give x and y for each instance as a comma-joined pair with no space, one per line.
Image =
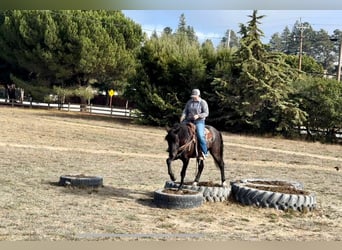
142,197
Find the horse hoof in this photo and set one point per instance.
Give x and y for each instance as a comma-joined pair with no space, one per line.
224,184
194,184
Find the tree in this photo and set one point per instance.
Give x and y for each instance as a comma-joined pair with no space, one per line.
337,34
276,43
171,65
70,47
309,64
315,44
186,30
208,53
321,99
230,39
255,98
86,93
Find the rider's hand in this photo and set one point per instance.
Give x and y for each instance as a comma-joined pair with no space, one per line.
182,118
196,117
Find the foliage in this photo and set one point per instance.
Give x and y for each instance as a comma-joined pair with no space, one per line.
309,65
86,93
316,44
230,40
171,65
249,86
62,93
66,47
256,96
35,89
321,99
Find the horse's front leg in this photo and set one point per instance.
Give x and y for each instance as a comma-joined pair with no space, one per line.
199,172
169,169
183,172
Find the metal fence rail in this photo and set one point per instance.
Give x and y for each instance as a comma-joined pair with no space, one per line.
103,110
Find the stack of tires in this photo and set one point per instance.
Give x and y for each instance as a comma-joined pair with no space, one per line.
278,194
199,194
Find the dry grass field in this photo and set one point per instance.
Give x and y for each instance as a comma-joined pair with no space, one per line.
38,146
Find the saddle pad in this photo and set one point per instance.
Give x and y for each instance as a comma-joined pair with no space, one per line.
208,135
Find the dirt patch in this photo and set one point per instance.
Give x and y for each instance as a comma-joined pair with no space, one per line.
203,184
275,186
178,192
37,146
279,189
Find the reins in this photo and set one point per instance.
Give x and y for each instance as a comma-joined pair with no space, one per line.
189,143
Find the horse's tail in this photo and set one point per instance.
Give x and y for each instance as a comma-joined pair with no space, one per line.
221,147
219,152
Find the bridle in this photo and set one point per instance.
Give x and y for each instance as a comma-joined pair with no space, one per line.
193,140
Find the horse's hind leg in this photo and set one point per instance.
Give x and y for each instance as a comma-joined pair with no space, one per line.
223,178
199,172
220,164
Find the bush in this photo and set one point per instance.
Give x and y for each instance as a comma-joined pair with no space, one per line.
321,99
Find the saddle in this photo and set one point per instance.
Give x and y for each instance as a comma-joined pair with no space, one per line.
207,133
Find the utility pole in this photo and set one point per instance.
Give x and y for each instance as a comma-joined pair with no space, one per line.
301,27
228,40
339,62
339,58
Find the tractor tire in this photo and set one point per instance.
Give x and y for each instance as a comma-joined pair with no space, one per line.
259,192
210,193
189,199
80,181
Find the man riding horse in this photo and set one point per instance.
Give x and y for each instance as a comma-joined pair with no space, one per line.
184,138
195,111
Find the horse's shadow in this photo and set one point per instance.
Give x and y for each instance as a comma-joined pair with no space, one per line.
141,197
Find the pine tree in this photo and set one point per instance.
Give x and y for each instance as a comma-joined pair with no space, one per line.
171,65
71,46
256,96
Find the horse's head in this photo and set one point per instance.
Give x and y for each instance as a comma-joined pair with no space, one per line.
173,140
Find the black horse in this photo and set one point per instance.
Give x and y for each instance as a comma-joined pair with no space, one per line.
182,144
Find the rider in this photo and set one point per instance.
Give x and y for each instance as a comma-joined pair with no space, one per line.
195,111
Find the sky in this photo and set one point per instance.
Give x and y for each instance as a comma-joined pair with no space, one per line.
212,24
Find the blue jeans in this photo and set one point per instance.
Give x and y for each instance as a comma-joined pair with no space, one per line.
200,126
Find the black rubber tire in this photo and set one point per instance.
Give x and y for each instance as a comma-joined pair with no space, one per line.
210,194
256,196
177,201
80,181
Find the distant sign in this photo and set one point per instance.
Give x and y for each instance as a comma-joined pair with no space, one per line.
111,92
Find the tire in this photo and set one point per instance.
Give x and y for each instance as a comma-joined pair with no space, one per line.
80,181
177,201
210,194
248,194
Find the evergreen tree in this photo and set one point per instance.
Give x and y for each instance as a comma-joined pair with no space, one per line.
230,39
70,47
321,99
276,43
256,96
171,65
315,44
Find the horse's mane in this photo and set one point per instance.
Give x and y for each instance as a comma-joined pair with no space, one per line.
179,129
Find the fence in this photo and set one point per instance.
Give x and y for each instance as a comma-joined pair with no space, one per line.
103,110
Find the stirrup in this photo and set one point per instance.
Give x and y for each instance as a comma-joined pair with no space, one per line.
203,156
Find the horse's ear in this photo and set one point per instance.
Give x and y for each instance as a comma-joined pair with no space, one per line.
167,128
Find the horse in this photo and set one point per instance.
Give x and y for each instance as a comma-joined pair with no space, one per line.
182,144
